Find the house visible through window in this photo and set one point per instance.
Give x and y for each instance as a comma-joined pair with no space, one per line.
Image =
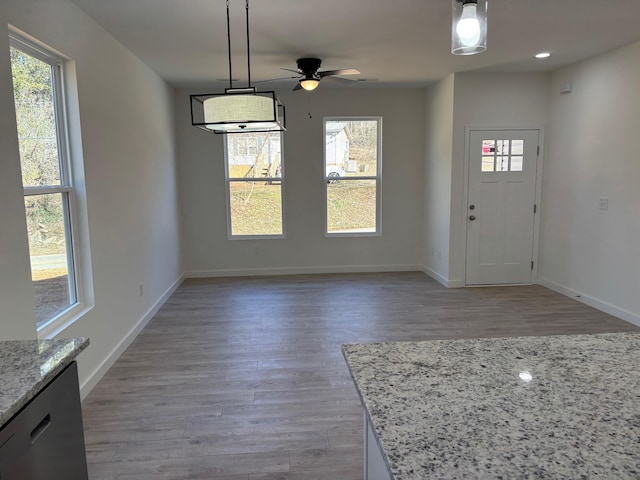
352,175
46,177
254,174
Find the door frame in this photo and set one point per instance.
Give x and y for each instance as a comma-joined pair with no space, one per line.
538,191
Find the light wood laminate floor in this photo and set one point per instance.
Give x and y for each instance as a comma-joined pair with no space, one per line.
243,378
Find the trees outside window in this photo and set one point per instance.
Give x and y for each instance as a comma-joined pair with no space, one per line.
352,175
46,177
254,175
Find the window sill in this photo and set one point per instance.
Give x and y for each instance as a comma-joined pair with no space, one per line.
63,321
353,234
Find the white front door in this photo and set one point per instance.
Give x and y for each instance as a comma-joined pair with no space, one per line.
501,206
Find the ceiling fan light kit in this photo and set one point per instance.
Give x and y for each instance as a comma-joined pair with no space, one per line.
238,110
468,26
309,83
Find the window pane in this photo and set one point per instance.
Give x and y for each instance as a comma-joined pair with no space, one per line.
351,206
502,164
517,147
256,208
48,246
516,164
35,114
351,148
488,146
487,164
254,155
503,147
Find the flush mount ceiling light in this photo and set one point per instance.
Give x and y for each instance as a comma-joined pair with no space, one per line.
238,110
543,55
468,27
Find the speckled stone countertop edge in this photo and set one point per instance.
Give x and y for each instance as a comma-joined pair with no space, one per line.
367,415
363,354
27,366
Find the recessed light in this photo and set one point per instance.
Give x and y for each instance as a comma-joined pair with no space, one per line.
543,55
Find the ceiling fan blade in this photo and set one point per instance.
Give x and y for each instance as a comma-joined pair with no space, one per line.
291,70
274,79
333,79
297,87
344,71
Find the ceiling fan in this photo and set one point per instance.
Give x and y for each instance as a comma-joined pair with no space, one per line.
309,74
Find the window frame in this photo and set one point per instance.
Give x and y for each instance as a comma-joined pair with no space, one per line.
78,264
228,180
377,177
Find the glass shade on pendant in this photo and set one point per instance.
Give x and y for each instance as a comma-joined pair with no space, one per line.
243,111
468,27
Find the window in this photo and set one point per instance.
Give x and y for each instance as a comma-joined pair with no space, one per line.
254,173
352,170
49,195
502,155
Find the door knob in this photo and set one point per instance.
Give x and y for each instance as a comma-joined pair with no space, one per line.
472,207
472,218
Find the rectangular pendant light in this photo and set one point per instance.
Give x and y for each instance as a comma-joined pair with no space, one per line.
238,110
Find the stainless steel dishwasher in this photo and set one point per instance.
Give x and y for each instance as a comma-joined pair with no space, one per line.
45,440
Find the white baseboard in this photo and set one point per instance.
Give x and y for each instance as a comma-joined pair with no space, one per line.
441,279
106,364
591,301
246,272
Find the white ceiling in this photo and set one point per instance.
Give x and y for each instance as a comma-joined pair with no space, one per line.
392,42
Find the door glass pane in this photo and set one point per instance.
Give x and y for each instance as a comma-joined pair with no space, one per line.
488,146
48,247
351,206
502,164
351,148
503,147
517,147
516,164
256,207
487,164
36,122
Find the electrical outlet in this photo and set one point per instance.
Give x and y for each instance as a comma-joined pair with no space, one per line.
141,289
604,203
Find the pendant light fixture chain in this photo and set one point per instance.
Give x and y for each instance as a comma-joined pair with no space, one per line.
229,45
238,110
248,49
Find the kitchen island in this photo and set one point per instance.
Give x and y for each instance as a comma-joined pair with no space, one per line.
525,407
41,434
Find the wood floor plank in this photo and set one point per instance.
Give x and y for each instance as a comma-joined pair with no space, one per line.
243,378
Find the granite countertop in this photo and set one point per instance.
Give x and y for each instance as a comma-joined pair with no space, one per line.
26,366
526,407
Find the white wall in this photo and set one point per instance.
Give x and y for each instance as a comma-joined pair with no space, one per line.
491,100
126,115
437,178
17,314
201,170
593,152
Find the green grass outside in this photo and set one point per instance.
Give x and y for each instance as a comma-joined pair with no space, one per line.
256,210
